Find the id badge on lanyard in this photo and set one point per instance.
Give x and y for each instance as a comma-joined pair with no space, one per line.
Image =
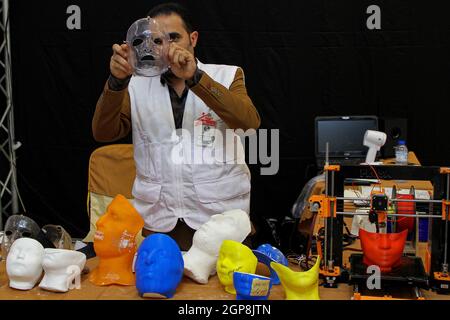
205,127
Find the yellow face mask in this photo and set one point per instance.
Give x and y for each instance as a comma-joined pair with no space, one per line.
234,256
299,285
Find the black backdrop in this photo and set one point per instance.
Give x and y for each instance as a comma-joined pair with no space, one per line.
302,59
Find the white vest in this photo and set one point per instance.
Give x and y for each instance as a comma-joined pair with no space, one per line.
165,190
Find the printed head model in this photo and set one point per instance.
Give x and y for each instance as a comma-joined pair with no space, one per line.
115,243
201,259
234,256
24,263
159,267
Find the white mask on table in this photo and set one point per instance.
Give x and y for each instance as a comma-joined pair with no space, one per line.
62,269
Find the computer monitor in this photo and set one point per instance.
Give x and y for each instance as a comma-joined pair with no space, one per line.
345,135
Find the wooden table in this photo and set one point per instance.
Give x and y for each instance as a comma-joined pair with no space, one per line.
187,290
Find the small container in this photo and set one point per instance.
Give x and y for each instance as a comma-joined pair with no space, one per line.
401,153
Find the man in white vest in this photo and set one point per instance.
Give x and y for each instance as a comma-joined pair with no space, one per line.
177,197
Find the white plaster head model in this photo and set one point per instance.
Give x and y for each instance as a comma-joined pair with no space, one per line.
201,259
24,263
62,267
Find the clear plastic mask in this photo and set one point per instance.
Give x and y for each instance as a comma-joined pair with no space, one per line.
16,227
60,238
149,45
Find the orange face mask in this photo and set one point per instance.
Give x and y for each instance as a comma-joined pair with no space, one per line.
114,243
382,250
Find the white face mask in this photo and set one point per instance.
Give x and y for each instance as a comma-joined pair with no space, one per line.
149,46
24,263
63,269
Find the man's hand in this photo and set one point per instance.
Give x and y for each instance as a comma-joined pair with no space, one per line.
181,62
119,66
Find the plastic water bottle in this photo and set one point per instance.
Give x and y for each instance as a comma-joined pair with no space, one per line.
401,153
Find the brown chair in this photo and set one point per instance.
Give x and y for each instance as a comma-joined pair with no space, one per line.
111,172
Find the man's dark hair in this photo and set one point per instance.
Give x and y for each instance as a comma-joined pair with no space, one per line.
173,8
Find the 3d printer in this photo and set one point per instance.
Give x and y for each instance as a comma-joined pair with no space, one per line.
396,210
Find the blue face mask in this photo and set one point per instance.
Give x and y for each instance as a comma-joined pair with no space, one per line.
267,254
251,286
159,267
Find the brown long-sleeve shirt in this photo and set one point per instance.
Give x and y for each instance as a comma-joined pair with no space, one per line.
112,118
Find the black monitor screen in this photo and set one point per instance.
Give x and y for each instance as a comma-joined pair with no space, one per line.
345,135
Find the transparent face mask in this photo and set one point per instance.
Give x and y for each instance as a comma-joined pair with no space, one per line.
149,45
60,238
16,227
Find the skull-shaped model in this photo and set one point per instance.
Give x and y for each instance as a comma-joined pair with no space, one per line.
149,46
16,227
